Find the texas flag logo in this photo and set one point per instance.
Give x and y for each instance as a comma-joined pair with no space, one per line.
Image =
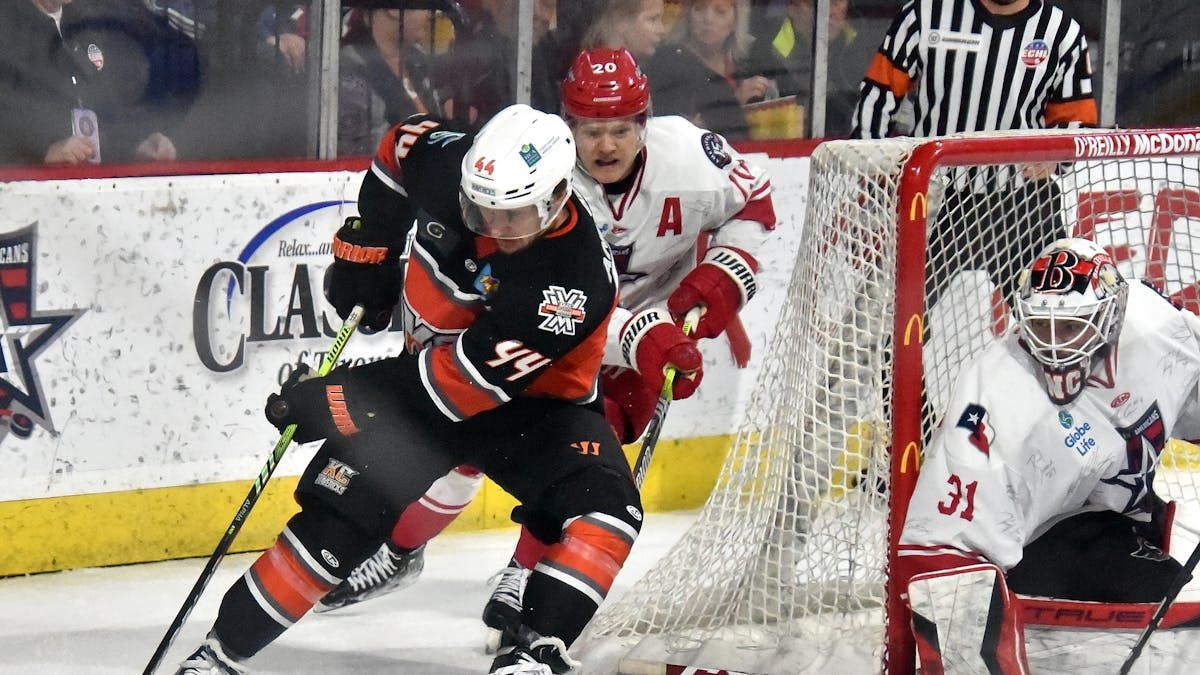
975,420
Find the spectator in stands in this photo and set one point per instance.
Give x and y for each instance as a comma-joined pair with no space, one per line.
283,32
1012,72
384,75
75,84
636,25
477,72
789,41
704,72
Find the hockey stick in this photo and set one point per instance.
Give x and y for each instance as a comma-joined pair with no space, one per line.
264,475
660,409
1184,575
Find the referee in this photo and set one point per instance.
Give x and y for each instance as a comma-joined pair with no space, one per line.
983,65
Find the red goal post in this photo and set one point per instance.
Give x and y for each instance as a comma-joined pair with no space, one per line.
786,564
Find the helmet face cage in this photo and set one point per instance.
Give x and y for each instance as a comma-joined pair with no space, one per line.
1070,306
516,178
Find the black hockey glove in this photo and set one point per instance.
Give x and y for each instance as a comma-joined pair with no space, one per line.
365,272
341,404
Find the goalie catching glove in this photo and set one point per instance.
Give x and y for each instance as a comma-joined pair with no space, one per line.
340,404
365,271
650,342
722,283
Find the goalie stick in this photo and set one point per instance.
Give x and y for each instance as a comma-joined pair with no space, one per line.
264,475
660,409
1184,575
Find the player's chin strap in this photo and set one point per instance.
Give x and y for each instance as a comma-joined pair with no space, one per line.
331,358
660,409
1182,577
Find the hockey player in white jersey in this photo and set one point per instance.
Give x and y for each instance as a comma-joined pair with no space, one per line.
1040,480
656,186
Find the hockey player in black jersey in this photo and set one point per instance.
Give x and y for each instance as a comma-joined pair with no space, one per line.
505,299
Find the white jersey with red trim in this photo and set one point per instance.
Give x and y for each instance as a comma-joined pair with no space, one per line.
689,182
1007,463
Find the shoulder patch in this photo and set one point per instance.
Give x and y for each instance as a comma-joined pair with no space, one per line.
714,147
562,309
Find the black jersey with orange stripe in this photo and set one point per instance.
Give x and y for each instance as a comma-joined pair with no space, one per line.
487,326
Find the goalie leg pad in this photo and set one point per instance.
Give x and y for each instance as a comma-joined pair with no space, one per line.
966,621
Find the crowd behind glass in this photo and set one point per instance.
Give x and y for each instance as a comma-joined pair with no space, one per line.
242,79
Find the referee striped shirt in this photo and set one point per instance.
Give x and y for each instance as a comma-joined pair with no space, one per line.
970,70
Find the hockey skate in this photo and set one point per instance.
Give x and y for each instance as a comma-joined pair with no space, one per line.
209,659
502,613
543,656
389,569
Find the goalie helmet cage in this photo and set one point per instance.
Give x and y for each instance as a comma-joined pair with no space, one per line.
785,567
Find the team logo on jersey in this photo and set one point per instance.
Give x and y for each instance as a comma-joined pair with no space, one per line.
975,420
562,309
336,476
621,256
1144,443
530,155
1034,53
95,56
485,283
24,333
714,148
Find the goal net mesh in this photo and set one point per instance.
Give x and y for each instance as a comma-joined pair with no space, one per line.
786,564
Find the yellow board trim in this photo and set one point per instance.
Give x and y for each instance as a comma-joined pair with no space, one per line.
136,526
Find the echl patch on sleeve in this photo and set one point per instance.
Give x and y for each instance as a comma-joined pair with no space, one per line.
975,420
714,147
563,309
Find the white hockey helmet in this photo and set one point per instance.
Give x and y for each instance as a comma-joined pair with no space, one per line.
1070,306
517,175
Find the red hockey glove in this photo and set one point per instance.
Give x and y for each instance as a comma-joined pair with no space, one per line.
723,283
650,342
628,402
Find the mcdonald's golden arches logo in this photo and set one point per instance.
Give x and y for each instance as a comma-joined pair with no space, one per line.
918,199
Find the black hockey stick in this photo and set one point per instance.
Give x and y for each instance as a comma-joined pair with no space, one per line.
660,410
1184,575
285,440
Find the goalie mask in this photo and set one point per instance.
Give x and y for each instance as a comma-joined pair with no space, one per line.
1070,305
516,177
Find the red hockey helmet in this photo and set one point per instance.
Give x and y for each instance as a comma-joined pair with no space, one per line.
605,83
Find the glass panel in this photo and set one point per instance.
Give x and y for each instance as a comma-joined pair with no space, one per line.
856,28
392,64
156,80
1159,76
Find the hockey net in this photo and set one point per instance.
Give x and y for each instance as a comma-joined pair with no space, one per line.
785,568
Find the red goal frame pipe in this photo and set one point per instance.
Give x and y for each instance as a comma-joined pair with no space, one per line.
909,321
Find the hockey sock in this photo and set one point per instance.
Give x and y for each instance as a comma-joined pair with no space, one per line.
278,589
529,550
425,518
288,579
574,576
